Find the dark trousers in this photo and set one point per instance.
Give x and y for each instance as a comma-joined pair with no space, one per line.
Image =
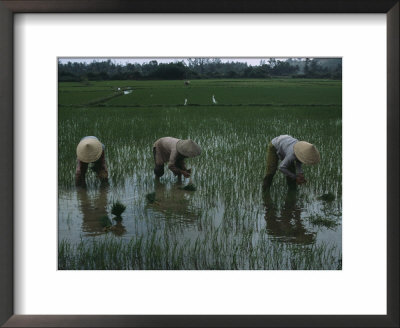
158,169
272,166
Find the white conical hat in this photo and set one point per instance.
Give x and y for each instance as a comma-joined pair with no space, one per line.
89,150
306,152
188,148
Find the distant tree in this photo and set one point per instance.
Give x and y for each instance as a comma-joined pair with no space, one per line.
231,74
171,71
306,67
201,68
272,62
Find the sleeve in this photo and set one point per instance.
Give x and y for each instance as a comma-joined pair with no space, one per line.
180,163
78,167
285,165
81,167
172,162
80,172
103,172
100,164
299,169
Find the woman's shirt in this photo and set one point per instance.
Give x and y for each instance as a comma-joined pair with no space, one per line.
284,148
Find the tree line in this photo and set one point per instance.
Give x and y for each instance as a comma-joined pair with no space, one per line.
200,68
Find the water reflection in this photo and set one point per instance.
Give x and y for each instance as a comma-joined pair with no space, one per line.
118,229
288,225
93,208
174,203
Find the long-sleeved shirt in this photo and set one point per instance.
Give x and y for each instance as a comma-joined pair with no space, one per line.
284,148
166,153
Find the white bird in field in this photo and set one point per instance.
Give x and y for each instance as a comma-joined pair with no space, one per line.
119,89
213,100
185,102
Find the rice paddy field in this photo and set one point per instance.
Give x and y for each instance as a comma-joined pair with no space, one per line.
224,222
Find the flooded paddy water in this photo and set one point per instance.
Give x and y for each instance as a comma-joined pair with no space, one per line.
226,223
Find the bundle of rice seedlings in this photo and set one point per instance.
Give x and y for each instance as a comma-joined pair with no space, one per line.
327,197
190,187
117,209
151,197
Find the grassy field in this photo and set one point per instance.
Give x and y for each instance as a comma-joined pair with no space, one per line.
227,93
226,223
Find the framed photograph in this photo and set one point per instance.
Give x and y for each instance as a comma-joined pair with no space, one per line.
155,166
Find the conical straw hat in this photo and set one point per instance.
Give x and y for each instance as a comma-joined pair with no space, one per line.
188,148
306,152
89,150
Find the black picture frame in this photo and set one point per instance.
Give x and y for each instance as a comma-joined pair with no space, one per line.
10,7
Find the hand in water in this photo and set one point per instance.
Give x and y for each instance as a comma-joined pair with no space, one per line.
300,179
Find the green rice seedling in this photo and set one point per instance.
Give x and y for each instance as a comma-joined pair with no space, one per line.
112,253
327,197
117,209
151,197
190,187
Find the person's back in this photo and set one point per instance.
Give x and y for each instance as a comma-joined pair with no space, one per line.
284,145
165,147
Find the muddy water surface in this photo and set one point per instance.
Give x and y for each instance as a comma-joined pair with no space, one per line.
291,219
